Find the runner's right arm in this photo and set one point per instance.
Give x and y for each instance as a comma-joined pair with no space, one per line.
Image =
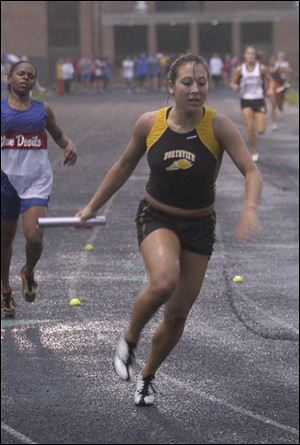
122,168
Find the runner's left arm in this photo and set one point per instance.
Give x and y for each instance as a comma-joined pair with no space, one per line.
63,141
268,79
232,142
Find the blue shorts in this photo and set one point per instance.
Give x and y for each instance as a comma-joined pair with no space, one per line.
12,205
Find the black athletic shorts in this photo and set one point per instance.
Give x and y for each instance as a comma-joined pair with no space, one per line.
257,105
195,234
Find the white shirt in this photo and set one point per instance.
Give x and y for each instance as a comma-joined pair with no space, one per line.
215,66
251,86
128,69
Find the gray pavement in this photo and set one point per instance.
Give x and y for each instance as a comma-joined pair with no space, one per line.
233,378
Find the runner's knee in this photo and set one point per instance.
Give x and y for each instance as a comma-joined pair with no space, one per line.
162,287
35,240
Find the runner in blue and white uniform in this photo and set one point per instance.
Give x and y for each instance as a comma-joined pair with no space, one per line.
26,175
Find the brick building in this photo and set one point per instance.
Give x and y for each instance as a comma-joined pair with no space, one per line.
47,30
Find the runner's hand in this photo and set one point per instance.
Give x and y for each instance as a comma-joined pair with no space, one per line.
70,154
248,226
85,214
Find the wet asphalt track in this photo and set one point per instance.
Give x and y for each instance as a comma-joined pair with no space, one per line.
233,378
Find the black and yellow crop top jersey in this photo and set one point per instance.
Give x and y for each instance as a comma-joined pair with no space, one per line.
183,167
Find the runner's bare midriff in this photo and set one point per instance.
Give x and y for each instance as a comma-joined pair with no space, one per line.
193,213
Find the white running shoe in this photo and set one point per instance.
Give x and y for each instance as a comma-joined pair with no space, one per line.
124,360
144,393
274,127
255,157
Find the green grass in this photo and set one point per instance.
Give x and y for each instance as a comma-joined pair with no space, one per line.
292,97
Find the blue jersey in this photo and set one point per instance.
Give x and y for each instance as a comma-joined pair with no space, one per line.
24,150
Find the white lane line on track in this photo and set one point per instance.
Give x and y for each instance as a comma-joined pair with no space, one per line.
19,436
105,212
235,408
177,382
182,385
11,322
84,257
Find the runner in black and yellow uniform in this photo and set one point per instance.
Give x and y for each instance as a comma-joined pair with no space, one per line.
184,167
176,220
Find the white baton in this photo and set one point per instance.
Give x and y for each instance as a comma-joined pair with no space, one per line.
70,221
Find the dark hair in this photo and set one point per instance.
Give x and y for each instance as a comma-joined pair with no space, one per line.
15,65
182,60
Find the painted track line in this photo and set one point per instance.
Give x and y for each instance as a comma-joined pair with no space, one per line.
16,434
235,408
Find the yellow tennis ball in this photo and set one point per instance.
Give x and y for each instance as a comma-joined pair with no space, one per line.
238,279
89,247
75,302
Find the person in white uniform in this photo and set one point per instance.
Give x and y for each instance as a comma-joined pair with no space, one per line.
251,78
